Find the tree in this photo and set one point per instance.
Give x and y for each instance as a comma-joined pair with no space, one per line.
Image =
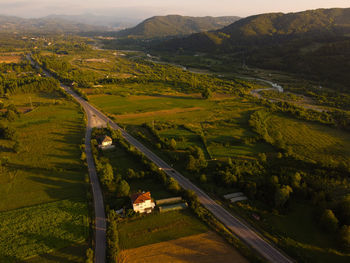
89,256
123,188
112,241
343,211
207,93
173,185
191,164
107,174
173,144
328,221
17,146
282,195
203,178
344,237
10,115
262,157
250,190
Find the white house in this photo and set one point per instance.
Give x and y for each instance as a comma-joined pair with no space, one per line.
142,202
105,141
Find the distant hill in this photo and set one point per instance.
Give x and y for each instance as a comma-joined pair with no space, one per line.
175,25
269,28
314,42
112,22
11,24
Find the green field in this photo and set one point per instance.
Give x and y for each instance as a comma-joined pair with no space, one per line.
42,228
297,233
310,141
42,187
159,227
223,120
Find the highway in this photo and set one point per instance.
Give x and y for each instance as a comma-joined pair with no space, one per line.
238,228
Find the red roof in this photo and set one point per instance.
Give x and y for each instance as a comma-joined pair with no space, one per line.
140,197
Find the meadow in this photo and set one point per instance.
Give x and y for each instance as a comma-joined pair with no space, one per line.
301,155
311,141
159,227
42,190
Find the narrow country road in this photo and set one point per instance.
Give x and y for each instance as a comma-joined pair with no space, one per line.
100,217
240,229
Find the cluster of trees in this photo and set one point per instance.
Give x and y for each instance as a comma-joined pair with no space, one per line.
195,159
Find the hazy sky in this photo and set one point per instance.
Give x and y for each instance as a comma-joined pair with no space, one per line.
146,8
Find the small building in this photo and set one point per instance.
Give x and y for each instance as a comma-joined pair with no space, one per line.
142,202
105,141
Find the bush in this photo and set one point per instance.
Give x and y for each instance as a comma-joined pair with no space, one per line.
344,238
89,256
328,221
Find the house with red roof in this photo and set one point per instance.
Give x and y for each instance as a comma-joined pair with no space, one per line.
142,202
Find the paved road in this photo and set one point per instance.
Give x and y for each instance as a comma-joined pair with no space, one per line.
100,217
240,229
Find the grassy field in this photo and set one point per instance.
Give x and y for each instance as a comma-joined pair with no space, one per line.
311,141
297,233
186,249
42,187
159,227
48,167
42,228
223,120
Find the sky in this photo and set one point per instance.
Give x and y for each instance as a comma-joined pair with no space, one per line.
147,8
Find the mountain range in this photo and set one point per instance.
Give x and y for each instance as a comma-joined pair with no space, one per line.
175,25
10,24
315,43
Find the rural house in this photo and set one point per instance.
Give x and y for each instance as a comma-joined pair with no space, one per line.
105,141
142,202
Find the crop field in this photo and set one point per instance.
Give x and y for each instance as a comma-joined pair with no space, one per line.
186,249
24,234
42,186
159,227
10,57
312,141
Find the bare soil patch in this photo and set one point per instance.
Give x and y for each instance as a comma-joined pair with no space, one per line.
10,59
202,248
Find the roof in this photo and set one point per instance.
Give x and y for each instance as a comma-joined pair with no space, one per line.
140,197
105,138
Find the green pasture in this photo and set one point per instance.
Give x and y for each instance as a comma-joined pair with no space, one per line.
311,141
42,186
297,233
42,228
159,227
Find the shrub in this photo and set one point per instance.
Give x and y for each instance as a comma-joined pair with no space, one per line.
328,221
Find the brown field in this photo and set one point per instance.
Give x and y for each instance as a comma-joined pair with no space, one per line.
157,113
10,59
202,248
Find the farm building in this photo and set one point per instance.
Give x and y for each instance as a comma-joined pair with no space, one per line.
105,141
142,202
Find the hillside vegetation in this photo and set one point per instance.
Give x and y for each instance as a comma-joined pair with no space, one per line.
175,25
313,43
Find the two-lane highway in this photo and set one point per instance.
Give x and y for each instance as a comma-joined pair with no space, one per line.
240,229
243,231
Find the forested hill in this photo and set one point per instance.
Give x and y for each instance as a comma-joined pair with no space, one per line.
176,25
315,42
10,24
264,28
